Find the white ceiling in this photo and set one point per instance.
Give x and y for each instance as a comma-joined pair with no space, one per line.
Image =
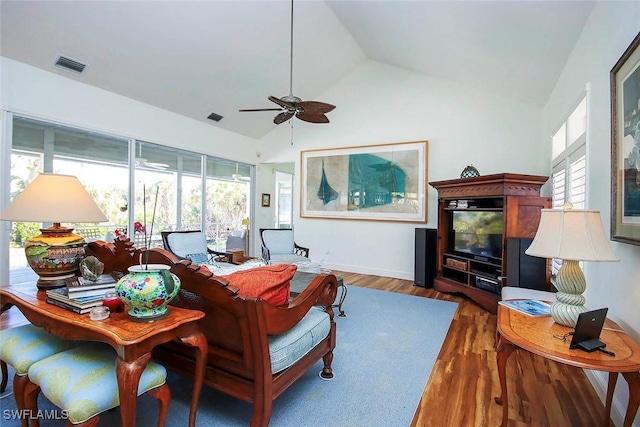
199,57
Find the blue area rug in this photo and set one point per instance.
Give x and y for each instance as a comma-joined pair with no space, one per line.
386,348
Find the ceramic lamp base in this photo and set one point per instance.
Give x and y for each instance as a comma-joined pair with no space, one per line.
571,283
52,283
54,255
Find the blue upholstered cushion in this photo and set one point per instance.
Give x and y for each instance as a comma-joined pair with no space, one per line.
24,345
278,241
82,381
199,258
183,244
287,348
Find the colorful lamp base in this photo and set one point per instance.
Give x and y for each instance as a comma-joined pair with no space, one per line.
54,255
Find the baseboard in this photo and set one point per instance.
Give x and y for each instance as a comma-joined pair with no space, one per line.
404,275
599,381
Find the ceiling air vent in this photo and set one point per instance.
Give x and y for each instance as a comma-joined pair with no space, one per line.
215,117
68,64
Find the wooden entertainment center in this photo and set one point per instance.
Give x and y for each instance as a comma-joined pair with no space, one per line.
488,210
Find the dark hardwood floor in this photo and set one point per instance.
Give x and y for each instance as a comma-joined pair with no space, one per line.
464,379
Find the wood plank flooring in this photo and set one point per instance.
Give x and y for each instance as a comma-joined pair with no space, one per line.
464,380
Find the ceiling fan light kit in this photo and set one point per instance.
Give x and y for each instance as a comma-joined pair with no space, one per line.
290,105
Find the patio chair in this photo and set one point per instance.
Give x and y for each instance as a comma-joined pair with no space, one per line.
192,245
278,246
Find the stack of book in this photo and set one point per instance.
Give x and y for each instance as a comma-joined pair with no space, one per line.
80,287
81,295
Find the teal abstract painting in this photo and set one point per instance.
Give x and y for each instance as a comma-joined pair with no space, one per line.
383,182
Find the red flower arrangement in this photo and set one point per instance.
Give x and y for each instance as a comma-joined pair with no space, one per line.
139,228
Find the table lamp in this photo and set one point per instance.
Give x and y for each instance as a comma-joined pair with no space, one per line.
55,254
572,235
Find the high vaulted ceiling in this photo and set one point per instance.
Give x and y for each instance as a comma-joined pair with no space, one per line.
199,57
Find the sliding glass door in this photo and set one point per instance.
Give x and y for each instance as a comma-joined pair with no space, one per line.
143,188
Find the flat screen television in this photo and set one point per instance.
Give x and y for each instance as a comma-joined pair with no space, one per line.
477,233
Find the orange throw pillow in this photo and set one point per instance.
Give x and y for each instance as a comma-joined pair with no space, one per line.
272,283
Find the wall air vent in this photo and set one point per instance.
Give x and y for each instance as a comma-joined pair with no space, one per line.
215,117
70,65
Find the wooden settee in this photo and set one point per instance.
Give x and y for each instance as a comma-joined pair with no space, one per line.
237,328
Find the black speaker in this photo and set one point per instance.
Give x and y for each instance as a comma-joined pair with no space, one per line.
424,270
525,271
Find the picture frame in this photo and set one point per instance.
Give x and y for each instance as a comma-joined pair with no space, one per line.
625,146
266,200
386,182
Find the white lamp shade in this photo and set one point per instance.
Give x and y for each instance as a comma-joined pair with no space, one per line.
571,234
54,198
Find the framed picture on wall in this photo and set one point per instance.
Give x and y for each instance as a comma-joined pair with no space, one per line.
625,146
372,182
266,200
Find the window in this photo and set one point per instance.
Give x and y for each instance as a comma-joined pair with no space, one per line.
123,176
569,162
570,159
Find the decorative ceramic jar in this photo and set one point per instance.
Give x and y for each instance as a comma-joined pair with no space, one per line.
147,290
54,255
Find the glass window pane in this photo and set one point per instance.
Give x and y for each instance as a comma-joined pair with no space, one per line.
25,166
191,216
559,142
88,155
577,122
228,189
155,189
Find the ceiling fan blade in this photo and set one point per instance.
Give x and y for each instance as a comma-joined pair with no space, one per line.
282,103
313,118
315,107
260,109
282,117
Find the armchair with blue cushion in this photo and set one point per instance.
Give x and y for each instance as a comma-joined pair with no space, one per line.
192,245
278,246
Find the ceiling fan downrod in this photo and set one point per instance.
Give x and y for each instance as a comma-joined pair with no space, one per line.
293,106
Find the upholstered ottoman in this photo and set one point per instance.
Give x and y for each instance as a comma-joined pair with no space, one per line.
82,382
21,347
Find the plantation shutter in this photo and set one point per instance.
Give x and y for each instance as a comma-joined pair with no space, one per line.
569,168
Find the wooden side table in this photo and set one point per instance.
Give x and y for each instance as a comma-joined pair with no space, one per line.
536,335
132,340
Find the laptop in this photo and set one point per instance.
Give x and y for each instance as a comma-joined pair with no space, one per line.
586,336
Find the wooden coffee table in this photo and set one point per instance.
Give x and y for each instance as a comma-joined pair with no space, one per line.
536,335
302,279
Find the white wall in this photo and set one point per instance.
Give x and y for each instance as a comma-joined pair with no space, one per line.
379,104
30,91
607,34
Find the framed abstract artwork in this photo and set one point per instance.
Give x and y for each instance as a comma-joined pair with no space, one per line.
625,146
373,182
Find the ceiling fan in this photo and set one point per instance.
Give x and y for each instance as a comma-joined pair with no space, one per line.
290,105
144,163
238,177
